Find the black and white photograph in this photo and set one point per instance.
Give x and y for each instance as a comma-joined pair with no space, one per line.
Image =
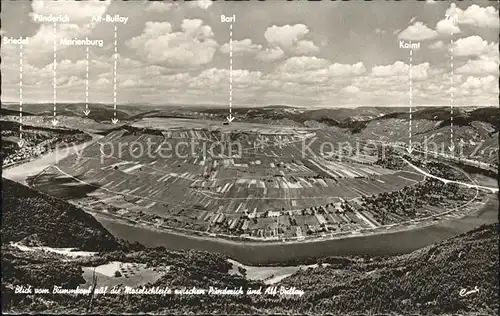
250,157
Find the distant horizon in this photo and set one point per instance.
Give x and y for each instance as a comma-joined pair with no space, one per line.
25,103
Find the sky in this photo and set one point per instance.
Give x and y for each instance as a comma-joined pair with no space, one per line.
299,53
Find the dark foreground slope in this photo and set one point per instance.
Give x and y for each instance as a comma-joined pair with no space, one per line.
427,281
26,212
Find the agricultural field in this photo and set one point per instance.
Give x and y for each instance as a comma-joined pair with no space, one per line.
242,180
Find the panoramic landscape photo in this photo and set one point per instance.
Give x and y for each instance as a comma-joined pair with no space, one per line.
256,157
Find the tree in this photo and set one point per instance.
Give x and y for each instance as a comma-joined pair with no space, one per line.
242,270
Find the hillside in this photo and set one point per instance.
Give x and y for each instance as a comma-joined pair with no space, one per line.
461,117
427,281
56,223
354,119
98,111
4,111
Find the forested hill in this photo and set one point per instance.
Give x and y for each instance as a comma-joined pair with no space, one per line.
54,222
426,281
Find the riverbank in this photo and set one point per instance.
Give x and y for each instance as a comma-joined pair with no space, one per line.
387,241
252,253
21,172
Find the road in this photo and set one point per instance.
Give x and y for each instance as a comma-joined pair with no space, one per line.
469,185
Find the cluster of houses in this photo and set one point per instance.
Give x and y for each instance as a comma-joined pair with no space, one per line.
27,152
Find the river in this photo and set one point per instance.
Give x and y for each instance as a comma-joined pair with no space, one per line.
255,253
23,171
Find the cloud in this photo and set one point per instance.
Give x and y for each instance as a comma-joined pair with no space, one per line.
159,6
308,69
206,83
472,82
270,54
167,62
473,46
77,11
351,89
479,67
343,70
396,31
306,47
420,71
488,84
395,69
80,14
203,4
290,39
302,63
491,53
215,79
241,47
285,36
69,73
417,32
447,27
399,68
437,45
475,15
195,28
103,82
192,46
